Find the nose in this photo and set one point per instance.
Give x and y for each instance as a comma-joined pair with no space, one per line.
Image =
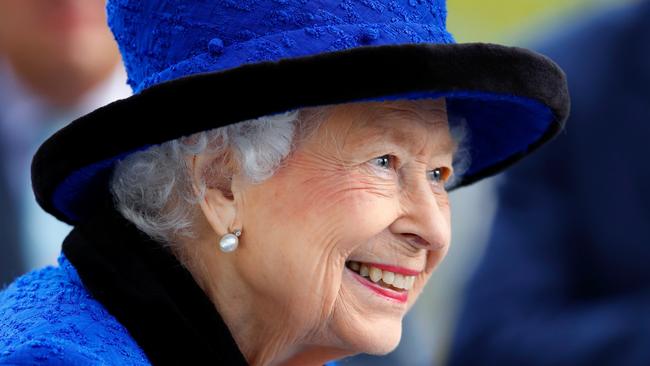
424,217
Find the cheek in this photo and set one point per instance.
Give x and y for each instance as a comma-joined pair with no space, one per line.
302,233
337,211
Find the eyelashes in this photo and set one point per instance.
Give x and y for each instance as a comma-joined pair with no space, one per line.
387,163
436,175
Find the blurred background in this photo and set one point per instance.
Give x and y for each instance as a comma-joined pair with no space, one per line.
518,22
430,327
58,61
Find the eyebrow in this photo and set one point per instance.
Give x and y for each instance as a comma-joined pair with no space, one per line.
405,137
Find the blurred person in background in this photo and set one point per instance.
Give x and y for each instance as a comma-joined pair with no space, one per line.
565,279
58,60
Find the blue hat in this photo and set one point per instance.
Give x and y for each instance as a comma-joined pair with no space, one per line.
196,65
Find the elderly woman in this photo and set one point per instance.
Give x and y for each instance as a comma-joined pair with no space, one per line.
275,192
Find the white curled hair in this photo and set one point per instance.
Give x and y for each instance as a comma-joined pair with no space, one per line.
153,190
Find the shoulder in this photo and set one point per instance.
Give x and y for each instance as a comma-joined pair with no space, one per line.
48,317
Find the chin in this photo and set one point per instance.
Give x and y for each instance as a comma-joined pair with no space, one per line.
365,320
383,346
377,337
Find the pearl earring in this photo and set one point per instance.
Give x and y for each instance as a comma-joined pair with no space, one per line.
229,242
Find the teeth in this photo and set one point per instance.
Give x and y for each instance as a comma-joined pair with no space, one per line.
388,278
363,271
375,274
410,280
398,281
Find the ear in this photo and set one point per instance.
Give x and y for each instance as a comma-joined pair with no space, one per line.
220,203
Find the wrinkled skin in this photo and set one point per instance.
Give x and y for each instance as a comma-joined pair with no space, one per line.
286,293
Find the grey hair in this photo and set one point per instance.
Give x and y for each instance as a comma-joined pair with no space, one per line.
153,190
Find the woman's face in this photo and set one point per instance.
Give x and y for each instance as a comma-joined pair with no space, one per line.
359,205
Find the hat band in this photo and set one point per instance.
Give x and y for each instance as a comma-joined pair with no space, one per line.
298,43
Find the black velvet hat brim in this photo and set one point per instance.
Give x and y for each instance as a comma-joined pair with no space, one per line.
71,169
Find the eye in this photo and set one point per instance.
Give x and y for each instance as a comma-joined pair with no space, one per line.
384,161
436,175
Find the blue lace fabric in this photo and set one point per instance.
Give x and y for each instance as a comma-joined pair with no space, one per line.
48,317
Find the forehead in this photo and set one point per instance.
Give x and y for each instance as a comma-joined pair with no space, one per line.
416,125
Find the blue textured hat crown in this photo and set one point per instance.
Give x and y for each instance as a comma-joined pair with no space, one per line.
252,51
162,40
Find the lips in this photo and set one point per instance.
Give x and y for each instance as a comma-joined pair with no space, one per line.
388,281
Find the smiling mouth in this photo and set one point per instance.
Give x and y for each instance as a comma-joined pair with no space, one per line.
382,277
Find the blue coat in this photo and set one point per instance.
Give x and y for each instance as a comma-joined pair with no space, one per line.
48,317
116,298
565,279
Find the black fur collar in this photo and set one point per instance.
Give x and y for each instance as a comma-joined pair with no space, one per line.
149,292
